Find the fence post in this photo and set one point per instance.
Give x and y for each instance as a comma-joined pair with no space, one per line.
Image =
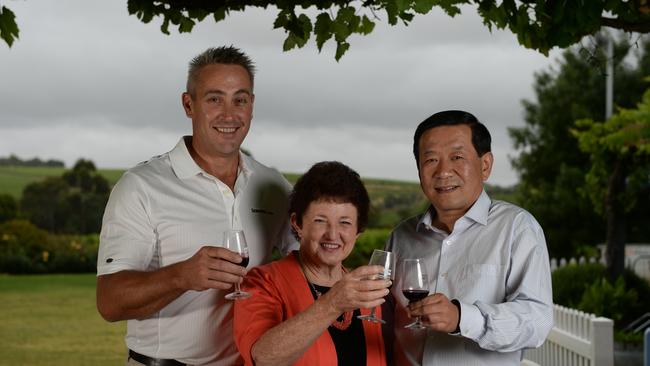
603,342
646,348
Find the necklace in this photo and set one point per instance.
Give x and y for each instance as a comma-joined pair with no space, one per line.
342,324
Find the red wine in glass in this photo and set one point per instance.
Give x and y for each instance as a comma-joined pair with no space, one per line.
415,285
235,241
415,295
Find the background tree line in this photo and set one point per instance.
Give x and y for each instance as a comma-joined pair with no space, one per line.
13,160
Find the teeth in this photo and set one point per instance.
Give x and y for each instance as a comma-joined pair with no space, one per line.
330,246
226,129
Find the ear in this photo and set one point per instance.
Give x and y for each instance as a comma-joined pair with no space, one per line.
486,165
186,100
294,224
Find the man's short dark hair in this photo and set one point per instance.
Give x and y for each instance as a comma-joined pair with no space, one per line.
228,55
334,182
481,138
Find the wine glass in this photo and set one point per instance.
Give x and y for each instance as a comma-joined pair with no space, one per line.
415,285
235,241
386,260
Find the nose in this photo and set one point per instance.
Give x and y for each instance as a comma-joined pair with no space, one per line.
443,169
330,233
227,113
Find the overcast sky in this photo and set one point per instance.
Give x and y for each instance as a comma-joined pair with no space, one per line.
86,79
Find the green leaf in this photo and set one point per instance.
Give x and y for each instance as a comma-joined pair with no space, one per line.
391,11
322,29
198,14
424,6
164,27
186,25
367,25
341,48
8,27
220,14
289,43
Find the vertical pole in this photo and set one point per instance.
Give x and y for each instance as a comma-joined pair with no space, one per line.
646,348
609,90
602,342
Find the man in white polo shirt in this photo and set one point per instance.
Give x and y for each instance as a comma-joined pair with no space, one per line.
159,264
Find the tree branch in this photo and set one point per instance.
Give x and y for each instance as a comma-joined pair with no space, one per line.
639,27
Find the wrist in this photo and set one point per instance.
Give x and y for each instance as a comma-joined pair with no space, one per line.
457,304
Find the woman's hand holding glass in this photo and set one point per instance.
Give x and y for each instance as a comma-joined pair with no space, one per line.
354,291
387,262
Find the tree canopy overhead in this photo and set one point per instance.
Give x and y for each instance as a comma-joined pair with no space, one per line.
538,24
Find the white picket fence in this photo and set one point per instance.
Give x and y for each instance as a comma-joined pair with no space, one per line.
577,339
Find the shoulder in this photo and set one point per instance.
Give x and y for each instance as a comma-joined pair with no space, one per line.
263,172
508,215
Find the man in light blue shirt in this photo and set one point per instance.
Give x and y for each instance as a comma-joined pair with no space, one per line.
488,271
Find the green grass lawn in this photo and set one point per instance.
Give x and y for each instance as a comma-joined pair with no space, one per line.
52,320
14,178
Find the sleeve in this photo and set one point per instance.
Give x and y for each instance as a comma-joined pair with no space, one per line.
525,318
127,238
255,316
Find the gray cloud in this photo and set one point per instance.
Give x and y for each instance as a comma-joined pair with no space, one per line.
86,79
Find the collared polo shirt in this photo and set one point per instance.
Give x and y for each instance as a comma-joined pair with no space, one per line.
495,262
162,212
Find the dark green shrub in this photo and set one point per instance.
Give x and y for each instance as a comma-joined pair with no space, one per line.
604,299
8,207
570,282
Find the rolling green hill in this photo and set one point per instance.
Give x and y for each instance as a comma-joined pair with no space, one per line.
14,178
391,200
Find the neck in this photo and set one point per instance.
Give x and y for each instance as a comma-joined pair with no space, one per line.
445,222
222,168
319,273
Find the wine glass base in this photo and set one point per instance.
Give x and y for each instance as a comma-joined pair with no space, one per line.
238,295
371,318
415,326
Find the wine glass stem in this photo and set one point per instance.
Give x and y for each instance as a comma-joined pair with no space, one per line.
237,289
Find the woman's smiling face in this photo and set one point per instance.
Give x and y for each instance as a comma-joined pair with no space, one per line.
328,232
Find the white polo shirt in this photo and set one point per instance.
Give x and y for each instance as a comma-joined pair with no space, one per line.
164,210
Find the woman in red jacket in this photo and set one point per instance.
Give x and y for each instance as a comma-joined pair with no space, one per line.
304,307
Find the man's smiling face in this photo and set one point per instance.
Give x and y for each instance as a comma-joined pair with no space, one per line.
221,109
451,172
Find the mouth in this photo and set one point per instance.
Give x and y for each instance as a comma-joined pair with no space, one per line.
330,246
226,130
446,189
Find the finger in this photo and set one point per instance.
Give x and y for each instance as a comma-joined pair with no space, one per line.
222,253
364,272
371,285
225,266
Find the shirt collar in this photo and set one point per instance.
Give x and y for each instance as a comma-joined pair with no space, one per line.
185,167
478,212
182,163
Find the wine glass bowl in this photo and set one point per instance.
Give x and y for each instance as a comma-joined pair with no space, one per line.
235,241
387,261
415,285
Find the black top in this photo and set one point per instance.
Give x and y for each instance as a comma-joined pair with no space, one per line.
350,343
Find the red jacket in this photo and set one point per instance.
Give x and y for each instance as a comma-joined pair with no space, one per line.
280,291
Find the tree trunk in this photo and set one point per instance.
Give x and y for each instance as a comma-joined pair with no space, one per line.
616,221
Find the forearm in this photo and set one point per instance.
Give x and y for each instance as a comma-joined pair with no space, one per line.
133,295
289,340
509,326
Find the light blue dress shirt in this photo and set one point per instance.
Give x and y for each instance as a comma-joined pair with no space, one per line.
495,262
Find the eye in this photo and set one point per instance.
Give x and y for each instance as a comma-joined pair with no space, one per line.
346,222
214,99
456,157
319,220
241,101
